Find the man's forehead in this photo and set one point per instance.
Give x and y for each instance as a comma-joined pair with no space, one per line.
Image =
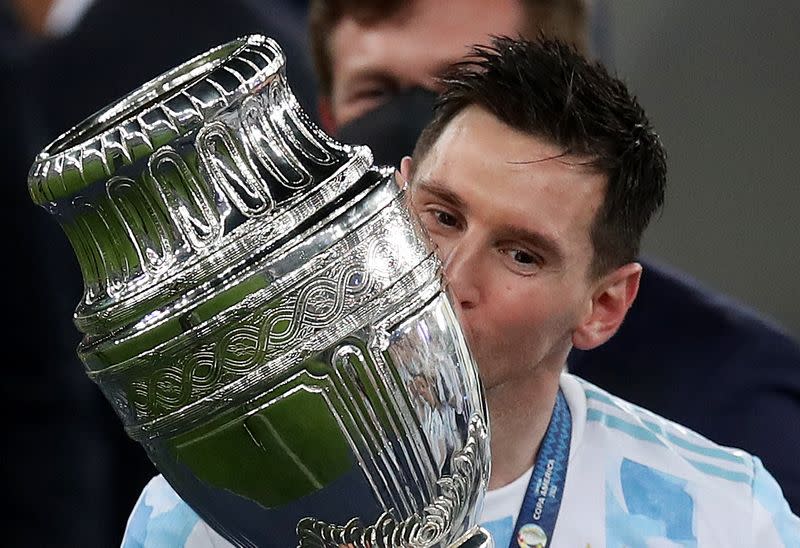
472,121
446,14
440,30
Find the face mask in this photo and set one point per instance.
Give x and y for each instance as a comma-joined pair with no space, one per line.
391,130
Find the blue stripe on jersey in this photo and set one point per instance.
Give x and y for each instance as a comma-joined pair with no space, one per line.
706,451
171,529
711,470
640,432
661,497
136,533
655,507
711,451
160,519
599,396
634,430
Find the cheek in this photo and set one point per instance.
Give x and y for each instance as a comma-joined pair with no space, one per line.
529,312
441,245
510,310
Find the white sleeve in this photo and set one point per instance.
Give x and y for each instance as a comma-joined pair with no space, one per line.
774,524
160,519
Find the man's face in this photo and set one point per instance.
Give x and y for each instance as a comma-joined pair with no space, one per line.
372,61
510,218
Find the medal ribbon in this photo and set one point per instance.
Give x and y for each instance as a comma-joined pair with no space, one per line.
539,512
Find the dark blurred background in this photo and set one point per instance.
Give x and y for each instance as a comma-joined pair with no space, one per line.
720,80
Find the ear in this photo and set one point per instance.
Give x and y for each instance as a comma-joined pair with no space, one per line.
404,176
611,300
326,118
406,167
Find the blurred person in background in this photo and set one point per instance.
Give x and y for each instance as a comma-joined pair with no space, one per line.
684,352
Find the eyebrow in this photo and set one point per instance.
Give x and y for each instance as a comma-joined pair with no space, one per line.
440,191
544,242
538,240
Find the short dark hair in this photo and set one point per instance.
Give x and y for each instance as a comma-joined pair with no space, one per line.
324,15
547,89
563,19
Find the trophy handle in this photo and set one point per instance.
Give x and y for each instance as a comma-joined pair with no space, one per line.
477,537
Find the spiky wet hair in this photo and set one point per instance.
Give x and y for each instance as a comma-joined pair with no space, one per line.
547,89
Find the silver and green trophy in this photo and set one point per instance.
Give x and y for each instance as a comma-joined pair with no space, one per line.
266,316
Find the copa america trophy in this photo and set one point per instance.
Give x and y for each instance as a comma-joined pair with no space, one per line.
266,316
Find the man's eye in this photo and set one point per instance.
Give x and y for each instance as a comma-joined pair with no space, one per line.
522,257
444,218
371,93
522,261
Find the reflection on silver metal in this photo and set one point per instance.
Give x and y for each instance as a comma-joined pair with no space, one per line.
266,316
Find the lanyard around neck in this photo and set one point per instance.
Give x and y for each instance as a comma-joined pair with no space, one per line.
539,512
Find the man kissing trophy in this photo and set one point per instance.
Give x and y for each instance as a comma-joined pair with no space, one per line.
265,315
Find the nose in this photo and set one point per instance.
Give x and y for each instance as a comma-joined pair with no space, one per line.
462,272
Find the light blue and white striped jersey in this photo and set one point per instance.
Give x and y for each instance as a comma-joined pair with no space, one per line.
638,480
634,480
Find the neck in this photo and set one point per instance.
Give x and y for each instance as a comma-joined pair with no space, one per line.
519,411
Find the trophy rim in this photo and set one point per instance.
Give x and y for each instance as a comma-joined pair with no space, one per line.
119,134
